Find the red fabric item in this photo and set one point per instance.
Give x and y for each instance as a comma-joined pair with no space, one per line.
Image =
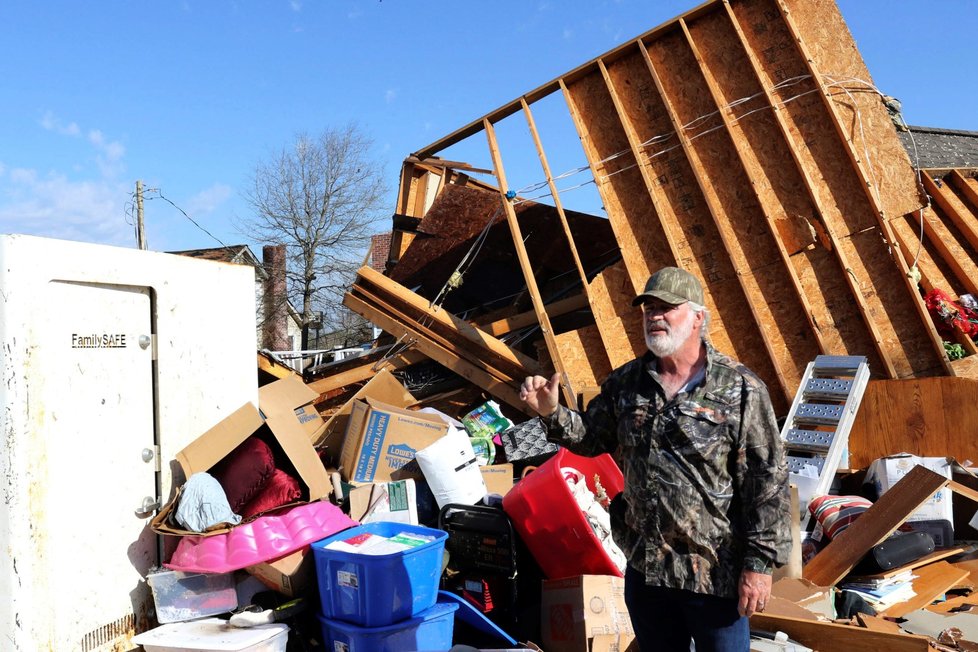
281,489
244,471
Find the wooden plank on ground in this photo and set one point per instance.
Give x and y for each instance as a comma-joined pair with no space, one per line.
931,582
274,368
830,637
878,624
878,522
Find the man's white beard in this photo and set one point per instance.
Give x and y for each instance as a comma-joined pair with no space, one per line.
663,344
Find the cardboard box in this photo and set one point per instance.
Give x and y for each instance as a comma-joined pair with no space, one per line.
291,575
614,643
382,387
382,438
498,478
887,471
819,600
283,424
386,501
291,395
576,609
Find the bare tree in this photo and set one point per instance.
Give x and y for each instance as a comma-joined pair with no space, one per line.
320,196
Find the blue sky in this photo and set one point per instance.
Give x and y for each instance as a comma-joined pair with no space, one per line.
188,96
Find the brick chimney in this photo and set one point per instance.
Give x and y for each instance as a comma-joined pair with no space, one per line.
274,329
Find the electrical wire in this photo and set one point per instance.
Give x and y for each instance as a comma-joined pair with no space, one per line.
160,195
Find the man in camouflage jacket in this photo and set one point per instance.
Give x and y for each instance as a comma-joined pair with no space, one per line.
705,513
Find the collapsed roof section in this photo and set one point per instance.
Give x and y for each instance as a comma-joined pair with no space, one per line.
745,142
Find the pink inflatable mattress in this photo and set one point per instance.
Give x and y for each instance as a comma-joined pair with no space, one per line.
263,539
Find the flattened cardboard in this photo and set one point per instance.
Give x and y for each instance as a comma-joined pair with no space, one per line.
383,387
381,439
498,478
576,609
819,600
292,575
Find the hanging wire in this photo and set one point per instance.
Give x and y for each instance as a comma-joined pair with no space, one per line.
159,194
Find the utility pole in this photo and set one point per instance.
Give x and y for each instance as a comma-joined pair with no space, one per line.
140,231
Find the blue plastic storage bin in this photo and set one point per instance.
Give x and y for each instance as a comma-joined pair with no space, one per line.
429,631
377,590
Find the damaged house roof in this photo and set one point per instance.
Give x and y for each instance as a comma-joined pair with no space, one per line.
742,141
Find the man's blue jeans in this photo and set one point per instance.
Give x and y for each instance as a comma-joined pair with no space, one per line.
665,620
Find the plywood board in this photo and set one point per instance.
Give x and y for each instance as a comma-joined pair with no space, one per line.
834,561
618,322
930,583
829,637
583,355
864,117
929,417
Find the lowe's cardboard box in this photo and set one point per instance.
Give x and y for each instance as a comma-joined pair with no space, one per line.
381,439
574,610
292,575
278,414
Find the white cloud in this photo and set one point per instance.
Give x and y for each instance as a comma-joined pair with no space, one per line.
54,206
568,34
390,95
51,122
208,200
296,5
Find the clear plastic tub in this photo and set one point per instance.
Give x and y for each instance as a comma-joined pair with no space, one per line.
187,596
548,519
214,635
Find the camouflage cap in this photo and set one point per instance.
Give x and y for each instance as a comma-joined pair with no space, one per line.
672,285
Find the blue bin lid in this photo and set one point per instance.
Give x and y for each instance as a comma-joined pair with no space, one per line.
470,615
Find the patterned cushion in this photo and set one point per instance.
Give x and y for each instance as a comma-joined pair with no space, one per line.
836,513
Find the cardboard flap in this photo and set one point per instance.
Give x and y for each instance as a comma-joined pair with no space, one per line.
393,409
208,449
383,386
300,452
284,396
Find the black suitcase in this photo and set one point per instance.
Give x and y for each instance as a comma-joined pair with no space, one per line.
895,551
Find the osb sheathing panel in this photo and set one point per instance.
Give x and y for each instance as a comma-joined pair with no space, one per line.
867,122
583,356
721,153
618,322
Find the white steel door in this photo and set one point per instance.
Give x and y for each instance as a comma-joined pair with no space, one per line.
99,460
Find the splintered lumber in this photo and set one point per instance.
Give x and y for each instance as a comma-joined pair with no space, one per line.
273,368
875,524
830,637
930,583
449,340
364,371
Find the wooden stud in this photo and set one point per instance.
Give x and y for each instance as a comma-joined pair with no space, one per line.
956,211
753,167
445,337
524,319
364,372
514,226
475,374
554,193
396,293
273,368
910,242
967,190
